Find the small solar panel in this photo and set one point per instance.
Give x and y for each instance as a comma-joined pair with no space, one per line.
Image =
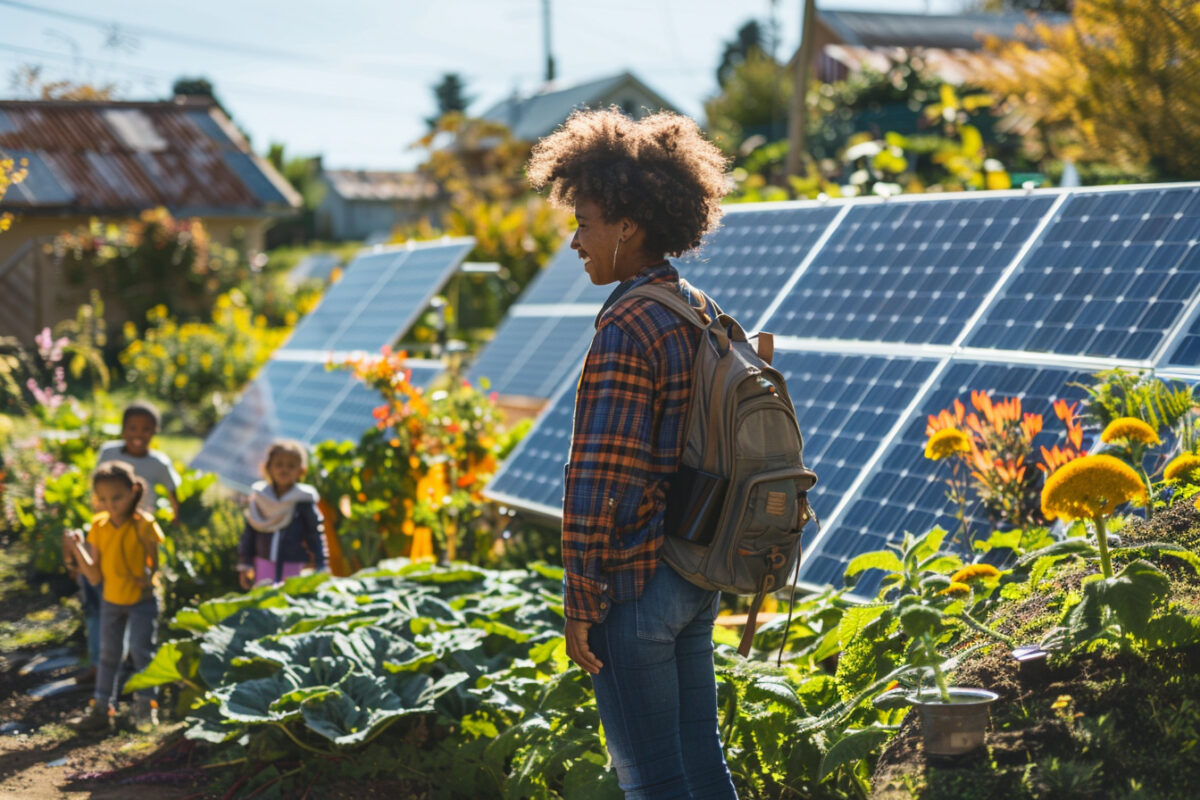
913,272
907,492
379,297
532,476
564,280
747,262
1110,277
530,354
292,400
546,333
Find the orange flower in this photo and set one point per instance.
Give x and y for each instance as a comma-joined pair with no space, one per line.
1031,426
1055,457
955,589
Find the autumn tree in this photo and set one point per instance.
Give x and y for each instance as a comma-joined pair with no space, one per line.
1120,83
752,103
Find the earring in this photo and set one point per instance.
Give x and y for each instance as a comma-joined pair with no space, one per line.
615,251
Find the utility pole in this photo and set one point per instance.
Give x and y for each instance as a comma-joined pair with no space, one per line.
546,40
801,66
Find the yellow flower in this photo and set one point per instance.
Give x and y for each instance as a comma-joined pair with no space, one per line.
946,443
1090,487
206,361
973,571
180,381
1063,701
956,588
1183,467
1130,428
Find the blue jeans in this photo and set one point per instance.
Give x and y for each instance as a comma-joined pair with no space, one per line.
131,626
657,692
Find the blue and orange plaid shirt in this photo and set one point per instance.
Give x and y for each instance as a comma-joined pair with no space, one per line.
630,411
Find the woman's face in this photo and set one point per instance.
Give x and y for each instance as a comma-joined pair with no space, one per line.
596,240
114,497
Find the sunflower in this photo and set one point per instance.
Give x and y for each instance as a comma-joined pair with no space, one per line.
972,572
956,588
1091,487
1131,429
1184,467
946,443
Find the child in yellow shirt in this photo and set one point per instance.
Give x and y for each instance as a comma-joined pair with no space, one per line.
121,554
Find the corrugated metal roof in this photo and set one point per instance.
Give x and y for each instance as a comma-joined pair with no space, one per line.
382,185
113,158
955,67
531,118
944,31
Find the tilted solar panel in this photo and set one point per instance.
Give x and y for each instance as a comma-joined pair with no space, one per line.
912,272
748,261
317,330
545,334
906,492
1110,277
292,400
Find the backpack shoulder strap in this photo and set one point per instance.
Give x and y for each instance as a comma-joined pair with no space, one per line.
672,300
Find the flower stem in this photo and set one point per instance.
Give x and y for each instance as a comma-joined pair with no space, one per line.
985,630
1102,543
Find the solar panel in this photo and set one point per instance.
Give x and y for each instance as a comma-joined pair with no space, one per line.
747,262
906,492
530,355
905,305
910,272
379,297
546,333
292,400
1110,277
295,396
532,476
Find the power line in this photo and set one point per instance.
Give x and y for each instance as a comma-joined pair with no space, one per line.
327,100
159,33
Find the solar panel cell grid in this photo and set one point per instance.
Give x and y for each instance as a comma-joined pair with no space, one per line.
906,492
1110,276
317,330
907,272
533,474
746,262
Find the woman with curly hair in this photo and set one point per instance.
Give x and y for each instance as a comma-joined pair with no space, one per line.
641,191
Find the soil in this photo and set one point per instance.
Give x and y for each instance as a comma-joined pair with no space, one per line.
1108,724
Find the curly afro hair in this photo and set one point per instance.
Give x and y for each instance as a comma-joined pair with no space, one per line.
659,172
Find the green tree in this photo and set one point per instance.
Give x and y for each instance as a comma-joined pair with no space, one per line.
450,95
747,42
752,104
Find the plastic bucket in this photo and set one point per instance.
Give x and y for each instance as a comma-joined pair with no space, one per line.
957,727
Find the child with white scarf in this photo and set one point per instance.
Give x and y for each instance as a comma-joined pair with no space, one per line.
285,532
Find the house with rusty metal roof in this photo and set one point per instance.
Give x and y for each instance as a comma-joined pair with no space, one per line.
530,117
112,160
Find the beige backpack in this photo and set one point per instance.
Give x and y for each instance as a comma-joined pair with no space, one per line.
739,500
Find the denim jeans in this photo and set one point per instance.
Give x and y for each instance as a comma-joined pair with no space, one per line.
133,627
657,692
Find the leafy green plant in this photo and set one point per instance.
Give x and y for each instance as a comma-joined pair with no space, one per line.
1118,393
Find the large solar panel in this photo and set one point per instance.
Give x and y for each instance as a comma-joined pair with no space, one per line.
911,272
888,311
1110,277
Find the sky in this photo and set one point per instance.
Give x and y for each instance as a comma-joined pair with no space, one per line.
352,80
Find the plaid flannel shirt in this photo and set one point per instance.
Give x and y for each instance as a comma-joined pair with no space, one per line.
630,410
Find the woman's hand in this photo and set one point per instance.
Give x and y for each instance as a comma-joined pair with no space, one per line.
578,650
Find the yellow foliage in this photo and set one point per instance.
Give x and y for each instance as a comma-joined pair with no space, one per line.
1120,84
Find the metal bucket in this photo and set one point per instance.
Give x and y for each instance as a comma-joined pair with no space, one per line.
957,727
